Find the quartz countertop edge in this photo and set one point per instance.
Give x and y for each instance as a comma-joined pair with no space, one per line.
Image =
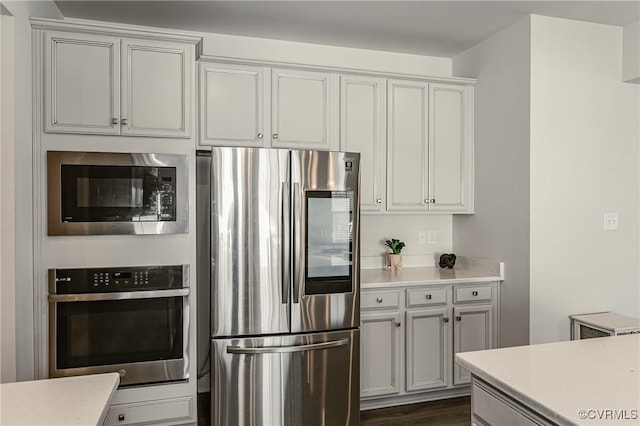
551,378
78,400
371,278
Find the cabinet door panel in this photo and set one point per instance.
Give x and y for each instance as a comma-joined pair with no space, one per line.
302,110
362,127
428,354
449,147
232,105
379,354
472,331
407,146
157,89
82,92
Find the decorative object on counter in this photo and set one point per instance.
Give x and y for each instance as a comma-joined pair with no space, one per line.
394,259
447,260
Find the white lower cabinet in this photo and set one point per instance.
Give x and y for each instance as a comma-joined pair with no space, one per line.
153,412
414,361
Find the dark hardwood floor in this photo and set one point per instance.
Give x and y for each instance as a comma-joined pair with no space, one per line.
446,412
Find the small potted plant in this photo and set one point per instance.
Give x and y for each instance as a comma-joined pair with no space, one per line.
394,259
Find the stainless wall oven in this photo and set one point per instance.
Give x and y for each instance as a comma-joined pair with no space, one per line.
97,193
129,320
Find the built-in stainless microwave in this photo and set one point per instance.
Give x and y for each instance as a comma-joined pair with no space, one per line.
106,193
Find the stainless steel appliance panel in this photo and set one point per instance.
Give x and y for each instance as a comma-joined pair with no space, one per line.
58,226
325,204
309,380
249,241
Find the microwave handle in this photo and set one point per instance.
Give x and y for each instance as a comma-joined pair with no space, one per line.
125,295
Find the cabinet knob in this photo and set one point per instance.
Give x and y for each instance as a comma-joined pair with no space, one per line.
379,201
432,201
120,417
458,318
379,299
260,135
427,201
114,121
474,293
445,319
428,296
398,323
123,122
275,136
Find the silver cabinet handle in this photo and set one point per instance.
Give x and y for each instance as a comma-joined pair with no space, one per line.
379,299
114,121
428,297
445,319
433,201
458,318
260,135
426,201
123,122
121,417
286,349
275,136
379,201
398,323
474,293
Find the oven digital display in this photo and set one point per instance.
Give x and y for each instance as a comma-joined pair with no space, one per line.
121,275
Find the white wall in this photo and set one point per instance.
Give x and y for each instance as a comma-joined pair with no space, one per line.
584,162
499,229
321,55
631,53
7,194
22,11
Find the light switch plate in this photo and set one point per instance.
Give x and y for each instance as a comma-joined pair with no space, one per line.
610,221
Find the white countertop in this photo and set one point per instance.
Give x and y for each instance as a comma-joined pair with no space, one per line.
79,400
560,379
423,275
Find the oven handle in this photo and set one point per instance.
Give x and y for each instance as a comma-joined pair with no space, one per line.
125,295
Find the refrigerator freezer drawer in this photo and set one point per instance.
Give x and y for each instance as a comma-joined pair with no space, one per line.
310,379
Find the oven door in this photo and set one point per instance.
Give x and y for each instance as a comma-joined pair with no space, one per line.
141,335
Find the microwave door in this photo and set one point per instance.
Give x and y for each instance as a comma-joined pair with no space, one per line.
325,250
249,241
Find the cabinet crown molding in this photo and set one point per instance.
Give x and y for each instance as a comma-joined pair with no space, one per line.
119,30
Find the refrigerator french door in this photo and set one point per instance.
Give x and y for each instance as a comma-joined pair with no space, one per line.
284,287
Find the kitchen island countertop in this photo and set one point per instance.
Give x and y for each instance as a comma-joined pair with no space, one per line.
79,400
572,382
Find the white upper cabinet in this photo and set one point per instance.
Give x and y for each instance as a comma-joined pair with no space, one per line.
304,109
98,84
82,75
450,148
234,102
245,105
429,147
362,129
156,88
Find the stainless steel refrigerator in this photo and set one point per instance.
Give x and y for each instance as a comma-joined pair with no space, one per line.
285,308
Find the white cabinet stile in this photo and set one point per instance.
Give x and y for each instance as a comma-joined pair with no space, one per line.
362,129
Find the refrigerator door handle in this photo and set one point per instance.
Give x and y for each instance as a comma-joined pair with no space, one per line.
285,262
297,246
286,349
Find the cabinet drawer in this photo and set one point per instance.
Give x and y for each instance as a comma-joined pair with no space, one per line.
491,408
152,412
476,293
379,299
427,297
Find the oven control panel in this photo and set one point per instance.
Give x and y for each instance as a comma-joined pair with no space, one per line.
105,280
